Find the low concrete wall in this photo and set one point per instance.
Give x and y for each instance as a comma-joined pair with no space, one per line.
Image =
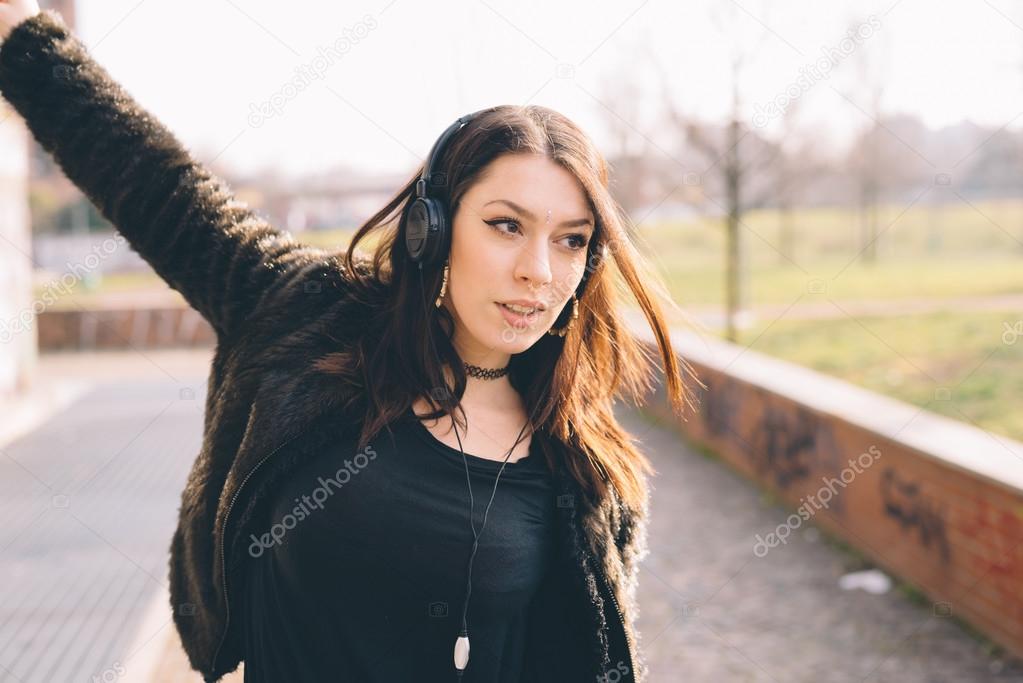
936,502
123,328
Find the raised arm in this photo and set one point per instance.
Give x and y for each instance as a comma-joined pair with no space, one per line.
182,219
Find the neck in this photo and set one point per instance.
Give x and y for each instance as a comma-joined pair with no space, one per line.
496,394
475,354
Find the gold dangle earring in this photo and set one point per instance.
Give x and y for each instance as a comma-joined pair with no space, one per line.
443,285
575,314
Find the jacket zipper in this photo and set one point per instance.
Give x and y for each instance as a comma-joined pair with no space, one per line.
223,555
621,619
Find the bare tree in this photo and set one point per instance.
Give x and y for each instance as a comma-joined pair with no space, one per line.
795,169
730,156
619,105
866,154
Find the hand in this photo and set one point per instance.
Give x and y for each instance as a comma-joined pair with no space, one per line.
13,12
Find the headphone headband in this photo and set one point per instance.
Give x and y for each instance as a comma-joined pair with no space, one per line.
437,149
426,229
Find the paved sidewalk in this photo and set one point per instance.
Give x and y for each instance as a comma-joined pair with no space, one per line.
87,572
89,494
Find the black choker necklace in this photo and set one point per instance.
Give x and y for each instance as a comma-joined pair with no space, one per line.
485,373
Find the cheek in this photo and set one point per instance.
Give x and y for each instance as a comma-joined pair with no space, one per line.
567,279
473,282
481,269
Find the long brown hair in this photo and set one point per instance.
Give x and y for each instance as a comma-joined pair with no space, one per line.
569,382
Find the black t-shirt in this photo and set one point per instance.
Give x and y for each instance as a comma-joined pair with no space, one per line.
361,575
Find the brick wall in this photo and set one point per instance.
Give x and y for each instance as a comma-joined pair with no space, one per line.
934,501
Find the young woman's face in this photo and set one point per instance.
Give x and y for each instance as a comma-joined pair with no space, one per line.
520,233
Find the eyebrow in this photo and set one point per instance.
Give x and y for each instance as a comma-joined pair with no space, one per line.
578,222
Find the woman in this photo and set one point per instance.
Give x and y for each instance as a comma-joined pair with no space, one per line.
332,374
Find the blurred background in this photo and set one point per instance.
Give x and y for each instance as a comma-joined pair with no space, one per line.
834,185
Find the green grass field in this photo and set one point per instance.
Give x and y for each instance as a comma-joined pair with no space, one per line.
911,357
951,251
955,250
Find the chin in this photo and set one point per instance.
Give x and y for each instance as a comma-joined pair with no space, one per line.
516,341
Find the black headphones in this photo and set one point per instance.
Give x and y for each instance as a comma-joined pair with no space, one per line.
427,228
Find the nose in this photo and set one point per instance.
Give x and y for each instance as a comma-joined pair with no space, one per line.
533,265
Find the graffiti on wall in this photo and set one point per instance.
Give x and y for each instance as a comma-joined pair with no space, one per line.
785,443
720,402
904,503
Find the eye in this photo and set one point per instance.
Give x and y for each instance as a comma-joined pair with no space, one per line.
501,221
579,243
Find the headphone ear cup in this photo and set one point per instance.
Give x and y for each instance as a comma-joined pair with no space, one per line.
425,230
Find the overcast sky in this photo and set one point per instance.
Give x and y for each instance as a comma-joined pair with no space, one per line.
410,68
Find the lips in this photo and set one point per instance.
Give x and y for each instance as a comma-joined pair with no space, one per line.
526,303
517,319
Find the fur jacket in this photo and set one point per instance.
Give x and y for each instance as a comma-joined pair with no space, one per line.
276,305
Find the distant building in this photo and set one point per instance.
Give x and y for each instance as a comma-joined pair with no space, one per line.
17,325
18,340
